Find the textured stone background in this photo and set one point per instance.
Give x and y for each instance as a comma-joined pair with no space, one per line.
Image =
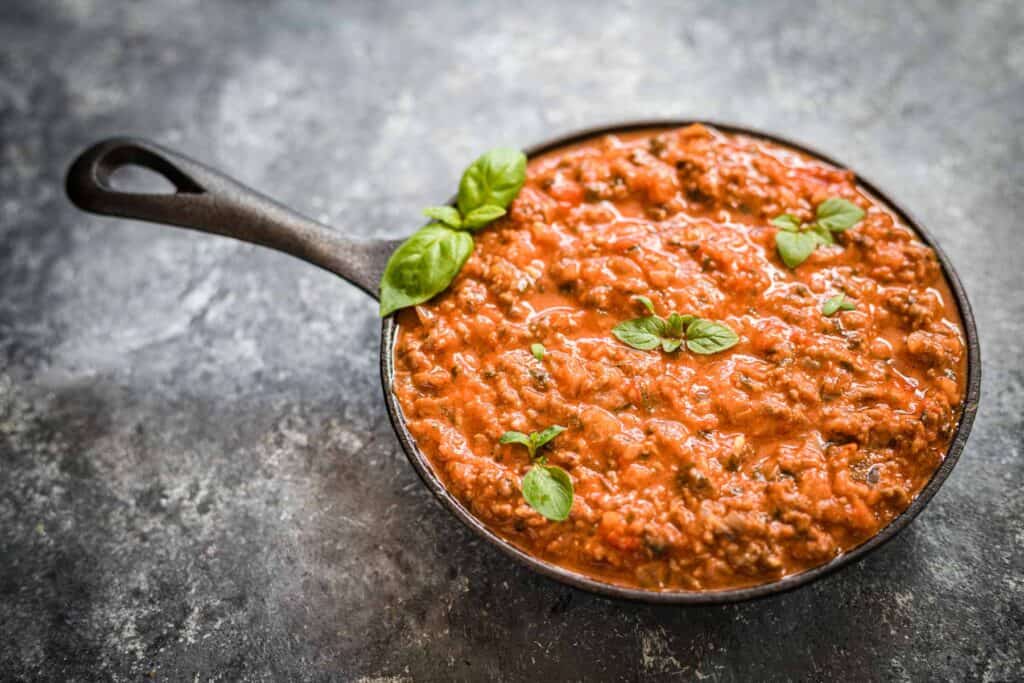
197,476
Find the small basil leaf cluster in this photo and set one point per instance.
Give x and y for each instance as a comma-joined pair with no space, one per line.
426,263
796,241
546,488
699,335
836,304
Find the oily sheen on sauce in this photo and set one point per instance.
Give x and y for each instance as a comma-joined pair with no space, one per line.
691,472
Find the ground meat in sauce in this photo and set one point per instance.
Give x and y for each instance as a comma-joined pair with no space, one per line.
691,472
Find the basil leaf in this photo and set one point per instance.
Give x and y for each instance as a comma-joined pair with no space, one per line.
838,214
479,217
676,324
648,304
641,333
538,351
706,336
787,221
670,345
830,307
548,490
532,441
795,247
422,266
821,234
520,438
448,215
492,180
540,438
836,304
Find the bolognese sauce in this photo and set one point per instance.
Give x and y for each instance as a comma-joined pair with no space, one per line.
691,472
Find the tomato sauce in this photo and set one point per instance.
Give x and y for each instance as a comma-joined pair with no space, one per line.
691,472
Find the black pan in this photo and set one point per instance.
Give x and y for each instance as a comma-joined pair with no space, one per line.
208,201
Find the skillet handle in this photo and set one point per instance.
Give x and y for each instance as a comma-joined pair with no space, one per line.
211,202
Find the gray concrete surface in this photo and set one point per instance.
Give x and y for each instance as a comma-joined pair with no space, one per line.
197,476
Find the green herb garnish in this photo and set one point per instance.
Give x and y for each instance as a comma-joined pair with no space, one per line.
837,215
796,241
642,333
534,440
836,304
538,351
448,215
646,301
546,488
493,180
423,265
699,335
707,337
426,263
479,217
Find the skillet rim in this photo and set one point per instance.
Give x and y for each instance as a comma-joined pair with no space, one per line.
389,328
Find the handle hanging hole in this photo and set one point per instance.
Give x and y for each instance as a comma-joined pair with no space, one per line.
139,180
108,161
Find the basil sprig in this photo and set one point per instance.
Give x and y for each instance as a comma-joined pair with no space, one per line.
546,488
426,263
796,241
836,304
534,440
700,336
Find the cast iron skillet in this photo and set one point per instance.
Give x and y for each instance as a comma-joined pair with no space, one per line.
208,201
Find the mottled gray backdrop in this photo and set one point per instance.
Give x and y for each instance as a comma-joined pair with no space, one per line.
197,475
